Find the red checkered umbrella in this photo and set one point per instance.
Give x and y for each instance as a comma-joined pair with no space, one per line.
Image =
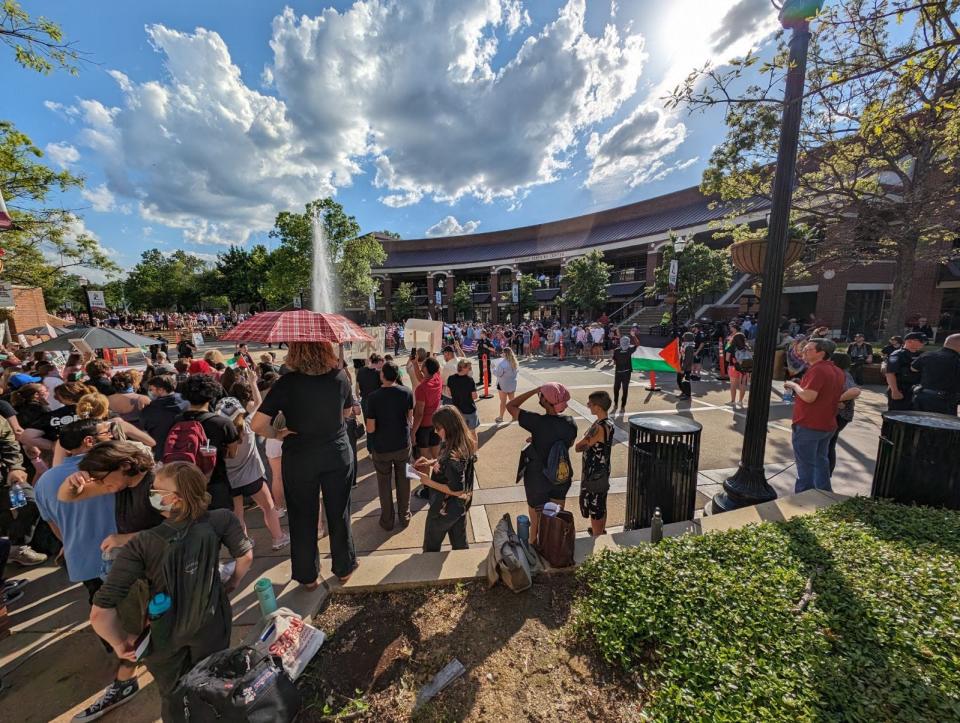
300,325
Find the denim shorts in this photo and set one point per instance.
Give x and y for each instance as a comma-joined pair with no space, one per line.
472,420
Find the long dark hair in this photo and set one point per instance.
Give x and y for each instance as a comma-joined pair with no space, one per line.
457,443
738,341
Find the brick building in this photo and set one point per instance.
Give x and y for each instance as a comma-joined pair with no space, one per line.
632,239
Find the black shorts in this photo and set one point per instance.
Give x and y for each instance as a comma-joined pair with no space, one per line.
426,437
248,490
593,504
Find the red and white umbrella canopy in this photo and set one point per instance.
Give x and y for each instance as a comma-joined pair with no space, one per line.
6,222
301,325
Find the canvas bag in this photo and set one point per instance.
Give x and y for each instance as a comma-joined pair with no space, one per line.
507,560
286,636
555,538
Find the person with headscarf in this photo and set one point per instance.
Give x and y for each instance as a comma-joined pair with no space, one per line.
622,370
546,430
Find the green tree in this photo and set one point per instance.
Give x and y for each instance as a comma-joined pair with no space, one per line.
44,231
402,303
37,43
586,278
879,142
353,256
701,271
171,282
240,274
462,300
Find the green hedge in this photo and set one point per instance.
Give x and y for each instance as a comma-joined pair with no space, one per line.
711,624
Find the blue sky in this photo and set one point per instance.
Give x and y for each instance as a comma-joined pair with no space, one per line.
195,122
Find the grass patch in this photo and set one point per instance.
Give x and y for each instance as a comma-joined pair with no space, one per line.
714,627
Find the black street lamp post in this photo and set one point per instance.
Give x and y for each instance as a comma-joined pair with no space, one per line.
85,286
749,485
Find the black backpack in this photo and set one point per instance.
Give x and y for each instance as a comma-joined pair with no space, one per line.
242,684
191,570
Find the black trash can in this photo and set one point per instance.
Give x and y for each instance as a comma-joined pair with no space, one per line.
662,470
919,459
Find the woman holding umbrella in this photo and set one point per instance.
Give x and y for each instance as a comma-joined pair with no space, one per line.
306,408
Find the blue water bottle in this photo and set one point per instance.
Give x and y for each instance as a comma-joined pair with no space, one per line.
161,624
788,396
523,529
264,590
18,497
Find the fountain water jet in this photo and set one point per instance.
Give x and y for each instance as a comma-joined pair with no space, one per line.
322,292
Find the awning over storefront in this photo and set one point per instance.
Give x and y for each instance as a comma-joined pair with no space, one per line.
625,289
545,296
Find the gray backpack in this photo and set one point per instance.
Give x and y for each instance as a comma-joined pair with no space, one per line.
509,560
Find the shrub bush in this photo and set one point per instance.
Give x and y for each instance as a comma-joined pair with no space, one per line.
712,624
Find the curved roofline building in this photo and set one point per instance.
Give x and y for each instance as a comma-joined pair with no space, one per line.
631,238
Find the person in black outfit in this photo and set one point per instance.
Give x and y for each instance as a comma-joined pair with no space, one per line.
368,379
98,372
159,416
896,342
901,377
314,397
622,370
860,354
486,348
185,347
922,327
389,414
200,390
939,371
450,481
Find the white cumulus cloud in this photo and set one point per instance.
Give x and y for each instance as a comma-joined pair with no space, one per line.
63,154
449,226
100,198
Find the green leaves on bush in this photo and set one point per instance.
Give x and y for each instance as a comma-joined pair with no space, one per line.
709,621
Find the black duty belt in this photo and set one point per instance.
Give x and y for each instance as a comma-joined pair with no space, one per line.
937,392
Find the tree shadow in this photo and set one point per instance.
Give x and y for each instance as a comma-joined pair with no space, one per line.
860,651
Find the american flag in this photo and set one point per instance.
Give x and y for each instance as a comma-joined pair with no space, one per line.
469,346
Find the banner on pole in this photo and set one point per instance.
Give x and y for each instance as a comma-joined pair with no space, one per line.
97,300
6,295
674,265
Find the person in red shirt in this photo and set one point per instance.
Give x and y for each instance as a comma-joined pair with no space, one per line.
426,399
815,414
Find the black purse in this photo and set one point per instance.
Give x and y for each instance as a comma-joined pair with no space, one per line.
525,452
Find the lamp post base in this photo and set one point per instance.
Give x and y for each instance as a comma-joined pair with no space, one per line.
747,487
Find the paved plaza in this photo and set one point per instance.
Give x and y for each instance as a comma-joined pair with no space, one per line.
51,644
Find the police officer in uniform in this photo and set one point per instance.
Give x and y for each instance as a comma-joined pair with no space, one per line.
939,371
900,374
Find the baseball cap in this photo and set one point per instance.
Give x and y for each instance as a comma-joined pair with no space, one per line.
18,380
915,335
230,407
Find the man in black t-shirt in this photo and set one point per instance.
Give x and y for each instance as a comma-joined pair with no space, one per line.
463,392
368,379
622,370
389,415
199,391
485,348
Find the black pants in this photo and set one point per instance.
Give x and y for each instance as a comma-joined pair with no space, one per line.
18,528
621,380
903,405
439,527
167,666
302,485
925,401
832,452
684,383
856,371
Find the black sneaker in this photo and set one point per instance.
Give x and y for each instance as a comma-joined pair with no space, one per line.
423,493
10,596
116,694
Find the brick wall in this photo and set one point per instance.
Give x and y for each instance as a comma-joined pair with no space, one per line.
29,309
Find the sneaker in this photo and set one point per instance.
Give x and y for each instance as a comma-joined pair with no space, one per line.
499,420
281,512
27,556
12,585
116,694
281,542
9,596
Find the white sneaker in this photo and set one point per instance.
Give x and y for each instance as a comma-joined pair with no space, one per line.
27,556
281,512
281,542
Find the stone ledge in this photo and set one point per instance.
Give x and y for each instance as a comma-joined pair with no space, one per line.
398,572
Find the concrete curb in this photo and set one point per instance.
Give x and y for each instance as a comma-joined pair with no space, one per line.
428,569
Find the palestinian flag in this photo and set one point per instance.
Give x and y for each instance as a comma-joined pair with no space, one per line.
649,359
